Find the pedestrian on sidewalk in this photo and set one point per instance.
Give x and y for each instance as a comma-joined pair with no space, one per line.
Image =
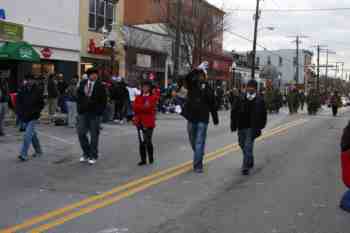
4,101
30,103
249,117
52,95
145,120
120,96
61,87
91,102
71,94
200,102
335,103
302,99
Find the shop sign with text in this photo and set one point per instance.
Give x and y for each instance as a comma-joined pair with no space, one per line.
11,31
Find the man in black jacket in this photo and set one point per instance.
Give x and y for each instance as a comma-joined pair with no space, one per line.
120,96
52,95
200,102
91,101
30,103
249,117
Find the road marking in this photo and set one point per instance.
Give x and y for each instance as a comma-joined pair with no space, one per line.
57,138
130,188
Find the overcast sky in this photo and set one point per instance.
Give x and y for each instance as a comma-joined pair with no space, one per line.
326,28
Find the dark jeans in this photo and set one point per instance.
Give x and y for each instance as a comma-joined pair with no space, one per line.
197,133
335,110
246,138
88,123
146,145
120,110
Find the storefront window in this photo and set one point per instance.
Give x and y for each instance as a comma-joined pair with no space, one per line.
40,69
101,13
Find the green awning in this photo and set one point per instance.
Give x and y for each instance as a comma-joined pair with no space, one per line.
20,51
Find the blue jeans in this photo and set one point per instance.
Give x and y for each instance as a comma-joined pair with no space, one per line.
246,140
197,133
30,137
88,123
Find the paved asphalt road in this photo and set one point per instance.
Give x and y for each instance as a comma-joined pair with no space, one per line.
295,187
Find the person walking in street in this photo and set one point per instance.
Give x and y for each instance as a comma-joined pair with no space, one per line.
61,87
71,94
200,102
335,103
91,103
30,103
249,117
120,96
52,95
4,100
145,117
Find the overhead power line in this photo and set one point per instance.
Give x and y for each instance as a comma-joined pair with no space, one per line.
295,10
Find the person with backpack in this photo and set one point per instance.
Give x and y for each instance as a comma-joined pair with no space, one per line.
144,108
248,117
30,103
200,103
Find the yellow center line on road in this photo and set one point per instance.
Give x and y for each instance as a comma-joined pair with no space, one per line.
130,188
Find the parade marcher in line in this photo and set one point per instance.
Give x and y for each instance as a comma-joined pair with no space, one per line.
293,100
30,103
313,102
52,95
145,116
249,117
4,100
91,102
120,96
71,94
200,102
335,103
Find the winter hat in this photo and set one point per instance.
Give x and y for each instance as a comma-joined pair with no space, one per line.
252,83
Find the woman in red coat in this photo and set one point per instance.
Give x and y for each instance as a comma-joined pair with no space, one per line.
145,121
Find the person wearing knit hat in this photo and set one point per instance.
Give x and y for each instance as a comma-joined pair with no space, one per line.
248,117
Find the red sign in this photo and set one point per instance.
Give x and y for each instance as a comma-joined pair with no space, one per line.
46,52
92,48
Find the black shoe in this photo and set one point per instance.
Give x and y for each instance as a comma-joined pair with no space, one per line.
21,158
37,155
142,163
245,172
22,130
151,161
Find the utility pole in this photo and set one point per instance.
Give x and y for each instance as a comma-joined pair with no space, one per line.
327,66
177,39
318,68
297,61
256,18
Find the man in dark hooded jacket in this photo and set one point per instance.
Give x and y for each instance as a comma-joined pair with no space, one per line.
249,117
200,103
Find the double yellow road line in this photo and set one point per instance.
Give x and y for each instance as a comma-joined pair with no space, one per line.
60,216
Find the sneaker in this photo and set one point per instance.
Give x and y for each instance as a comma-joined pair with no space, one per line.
117,121
23,159
92,161
83,159
2,134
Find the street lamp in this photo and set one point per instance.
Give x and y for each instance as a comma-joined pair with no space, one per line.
233,68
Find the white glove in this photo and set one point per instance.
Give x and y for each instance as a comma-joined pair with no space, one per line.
204,67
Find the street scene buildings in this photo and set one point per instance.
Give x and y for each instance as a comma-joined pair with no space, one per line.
174,116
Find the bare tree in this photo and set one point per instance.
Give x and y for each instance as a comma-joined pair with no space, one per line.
202,28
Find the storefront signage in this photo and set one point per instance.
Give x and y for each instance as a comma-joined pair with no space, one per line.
93,49
11,31
46,52
143,60
25,53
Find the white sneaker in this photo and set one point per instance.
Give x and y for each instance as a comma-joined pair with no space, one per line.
116,121
83,160
92,161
